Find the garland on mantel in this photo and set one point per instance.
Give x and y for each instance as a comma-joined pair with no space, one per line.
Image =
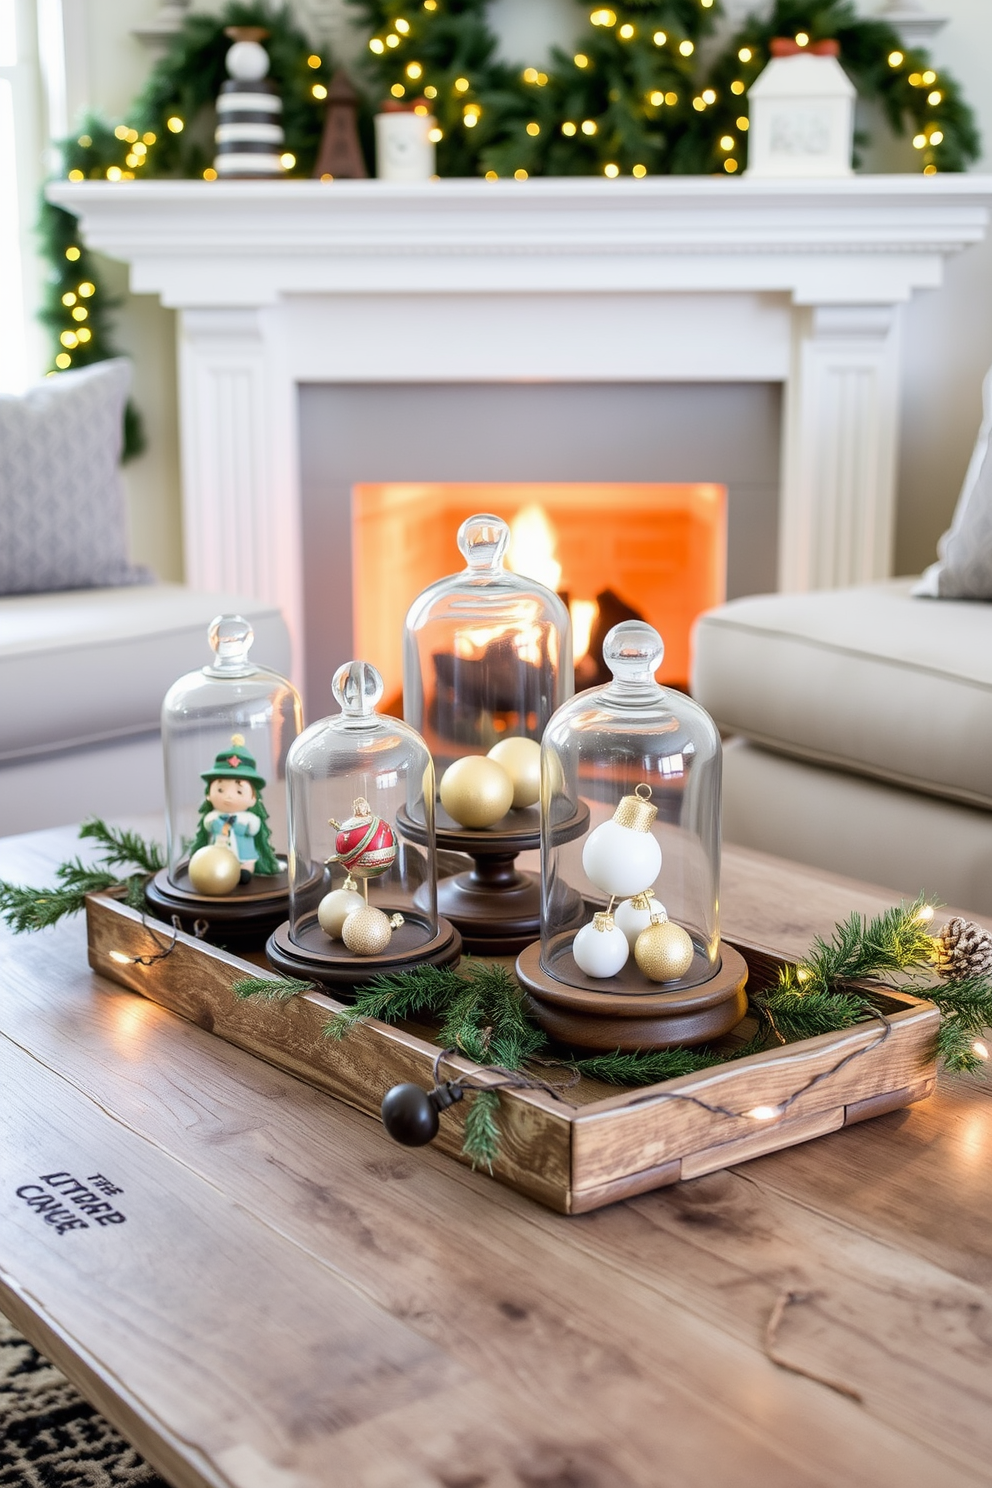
635,96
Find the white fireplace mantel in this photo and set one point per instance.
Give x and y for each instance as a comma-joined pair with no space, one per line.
662,279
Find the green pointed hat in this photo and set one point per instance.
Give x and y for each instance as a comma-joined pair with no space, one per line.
235,763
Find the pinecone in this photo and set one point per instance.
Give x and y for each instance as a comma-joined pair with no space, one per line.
963,949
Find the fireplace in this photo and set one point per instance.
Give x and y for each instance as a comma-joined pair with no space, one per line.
612,550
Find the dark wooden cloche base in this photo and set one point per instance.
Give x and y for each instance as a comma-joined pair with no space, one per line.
652,1019
494,905
313,956
241,920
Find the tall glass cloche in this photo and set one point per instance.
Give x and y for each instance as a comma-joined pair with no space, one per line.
226,733
363,893
630,954
487,653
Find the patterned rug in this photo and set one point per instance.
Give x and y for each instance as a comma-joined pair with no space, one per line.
49,1436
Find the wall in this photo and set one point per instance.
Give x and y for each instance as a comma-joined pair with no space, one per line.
948,332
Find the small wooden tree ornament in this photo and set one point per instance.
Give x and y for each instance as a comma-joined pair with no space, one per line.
340,155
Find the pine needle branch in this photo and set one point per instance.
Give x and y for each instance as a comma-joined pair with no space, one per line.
482,1134
123,848
271,989
23,908
646,1066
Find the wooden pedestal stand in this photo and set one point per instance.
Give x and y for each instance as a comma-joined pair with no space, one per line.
495,906
313,956
588,1016
241,920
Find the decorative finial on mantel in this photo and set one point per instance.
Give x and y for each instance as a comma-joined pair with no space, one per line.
159,32
916,25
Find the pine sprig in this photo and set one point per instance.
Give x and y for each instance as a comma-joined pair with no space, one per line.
487,1021
396,995
481,1138
122,847
23,908
271,989
647,1066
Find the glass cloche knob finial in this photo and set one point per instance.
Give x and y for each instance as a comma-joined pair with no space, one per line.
633,651
357,687
230,638
482,541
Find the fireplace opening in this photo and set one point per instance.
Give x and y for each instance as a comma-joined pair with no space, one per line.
612,550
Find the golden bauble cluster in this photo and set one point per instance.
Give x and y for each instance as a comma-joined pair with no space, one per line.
478,790
214,871
664,951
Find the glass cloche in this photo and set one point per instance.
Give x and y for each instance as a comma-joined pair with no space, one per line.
487,653
630,953
363,891
226,733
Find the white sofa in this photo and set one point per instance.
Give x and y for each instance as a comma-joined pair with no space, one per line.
82,678
861,724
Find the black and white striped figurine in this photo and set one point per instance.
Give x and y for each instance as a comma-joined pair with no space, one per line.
249,134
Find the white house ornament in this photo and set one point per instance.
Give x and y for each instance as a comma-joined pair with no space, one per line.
634,915
521,759
600,948
249,134
621,856
801,111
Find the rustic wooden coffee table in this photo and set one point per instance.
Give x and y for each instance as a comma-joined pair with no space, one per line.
270,1294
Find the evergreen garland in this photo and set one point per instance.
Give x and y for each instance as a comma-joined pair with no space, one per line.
481,1012
23,908
632,98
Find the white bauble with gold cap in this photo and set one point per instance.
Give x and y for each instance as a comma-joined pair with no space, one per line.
622,856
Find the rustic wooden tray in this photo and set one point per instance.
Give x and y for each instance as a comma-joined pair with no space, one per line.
594,1146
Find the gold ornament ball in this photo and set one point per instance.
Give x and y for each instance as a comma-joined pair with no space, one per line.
476,791
214,871
521,759
664,951
334,909
367,931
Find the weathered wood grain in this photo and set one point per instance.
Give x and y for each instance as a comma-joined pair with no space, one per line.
625,1382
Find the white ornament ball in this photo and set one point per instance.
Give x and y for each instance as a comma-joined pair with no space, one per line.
214,871
476,791
521,759
334,909
632,919
620,860
248,61
600,952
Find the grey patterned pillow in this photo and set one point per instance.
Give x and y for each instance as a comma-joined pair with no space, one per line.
964,567
63,519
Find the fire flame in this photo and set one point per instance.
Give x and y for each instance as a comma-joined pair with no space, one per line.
532,547
533,544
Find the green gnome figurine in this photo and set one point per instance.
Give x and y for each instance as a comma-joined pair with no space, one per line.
233,815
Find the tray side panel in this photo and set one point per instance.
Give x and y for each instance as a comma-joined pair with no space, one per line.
195,982
654,1129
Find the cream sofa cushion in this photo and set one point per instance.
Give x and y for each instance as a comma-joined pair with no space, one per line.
860,828
869,679
89,666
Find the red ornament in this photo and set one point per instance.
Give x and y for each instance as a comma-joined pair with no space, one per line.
365,844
